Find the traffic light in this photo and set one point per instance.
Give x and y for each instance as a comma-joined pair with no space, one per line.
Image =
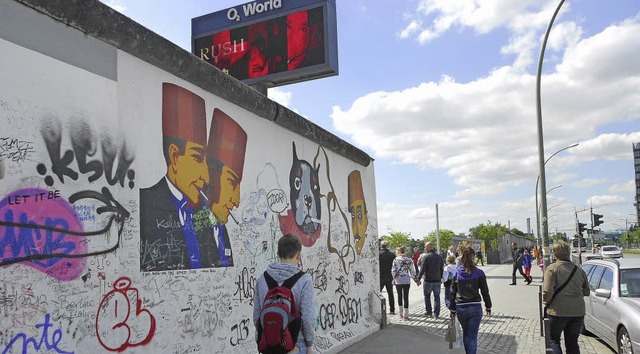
581,228
597,220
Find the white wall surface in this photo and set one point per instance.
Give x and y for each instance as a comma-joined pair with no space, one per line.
93,297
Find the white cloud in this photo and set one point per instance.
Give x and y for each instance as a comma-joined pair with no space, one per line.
598,201
483,133
280,96
589,182
627,187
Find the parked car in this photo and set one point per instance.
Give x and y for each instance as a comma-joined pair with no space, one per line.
613,307
610,252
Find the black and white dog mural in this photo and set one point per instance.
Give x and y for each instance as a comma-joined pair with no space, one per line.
303,219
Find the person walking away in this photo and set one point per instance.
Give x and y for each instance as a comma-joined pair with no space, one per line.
517,264
535,254
289,248
403,271
386,261
468,283
447,279
416,256
564,304
526,263
432,269
479,257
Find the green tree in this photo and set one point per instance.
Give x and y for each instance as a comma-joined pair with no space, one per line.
397,238
489,232
446,238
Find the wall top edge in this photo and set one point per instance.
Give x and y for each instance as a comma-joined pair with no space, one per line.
102,22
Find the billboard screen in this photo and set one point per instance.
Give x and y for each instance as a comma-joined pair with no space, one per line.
280,49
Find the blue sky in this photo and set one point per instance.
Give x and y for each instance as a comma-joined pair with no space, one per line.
442,94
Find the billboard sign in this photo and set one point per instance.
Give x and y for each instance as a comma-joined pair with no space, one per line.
272,42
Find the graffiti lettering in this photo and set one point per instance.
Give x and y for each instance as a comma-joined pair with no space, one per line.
343,285
342,335
47,232
358,278
85,145
15,150
50,342
121,322
245,283
322,343
319,276
350,310
241,332
277,200
326,316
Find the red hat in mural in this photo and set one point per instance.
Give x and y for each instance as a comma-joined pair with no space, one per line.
355,187
227,141
183,114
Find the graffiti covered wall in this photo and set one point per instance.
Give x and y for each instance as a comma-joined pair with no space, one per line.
137,208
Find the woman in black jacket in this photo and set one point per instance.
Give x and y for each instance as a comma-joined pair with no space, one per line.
468,283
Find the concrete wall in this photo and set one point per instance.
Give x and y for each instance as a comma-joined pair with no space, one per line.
99,254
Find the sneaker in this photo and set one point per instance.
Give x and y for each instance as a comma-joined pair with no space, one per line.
405,318
429,315
512,283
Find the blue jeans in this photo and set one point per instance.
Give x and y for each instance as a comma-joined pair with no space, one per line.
571,327
447,296
469,317
427,289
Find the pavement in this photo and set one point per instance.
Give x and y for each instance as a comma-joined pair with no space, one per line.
514,326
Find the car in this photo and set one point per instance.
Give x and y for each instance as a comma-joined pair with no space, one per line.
613,306
610,252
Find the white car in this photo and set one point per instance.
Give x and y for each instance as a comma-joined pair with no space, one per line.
613,307
610,252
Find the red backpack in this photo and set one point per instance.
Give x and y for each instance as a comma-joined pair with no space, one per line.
280,320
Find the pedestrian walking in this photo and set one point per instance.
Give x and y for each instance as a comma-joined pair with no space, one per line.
283,273
516,253
479,257
563,290
447,279
432,269
416,256
403,271
526,263
536,254
386,261
468,285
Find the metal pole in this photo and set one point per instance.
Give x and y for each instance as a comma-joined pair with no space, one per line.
438,228
541,160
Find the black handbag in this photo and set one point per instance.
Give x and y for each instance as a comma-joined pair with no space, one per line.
575,267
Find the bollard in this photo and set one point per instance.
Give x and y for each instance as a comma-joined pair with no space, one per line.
383,309
541,309
547,337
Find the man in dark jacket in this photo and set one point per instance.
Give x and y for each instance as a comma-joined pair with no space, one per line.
516,253
431,268
386,261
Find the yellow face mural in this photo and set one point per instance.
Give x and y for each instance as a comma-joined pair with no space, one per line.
188,171
358,210
229,197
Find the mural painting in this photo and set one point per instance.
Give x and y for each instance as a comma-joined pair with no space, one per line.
137,212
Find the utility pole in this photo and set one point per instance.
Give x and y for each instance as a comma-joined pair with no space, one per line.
437,228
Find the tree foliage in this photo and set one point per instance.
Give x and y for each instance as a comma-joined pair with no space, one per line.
397,238
489,232
446,238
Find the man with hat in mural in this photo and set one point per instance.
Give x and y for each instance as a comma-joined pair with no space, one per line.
168,239
225,158
358,209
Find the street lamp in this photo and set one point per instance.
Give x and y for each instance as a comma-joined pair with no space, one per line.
541,160
545,194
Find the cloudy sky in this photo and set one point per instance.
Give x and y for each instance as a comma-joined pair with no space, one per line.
441,93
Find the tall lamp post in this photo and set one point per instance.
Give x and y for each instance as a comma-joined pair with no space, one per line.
541,161
538,207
